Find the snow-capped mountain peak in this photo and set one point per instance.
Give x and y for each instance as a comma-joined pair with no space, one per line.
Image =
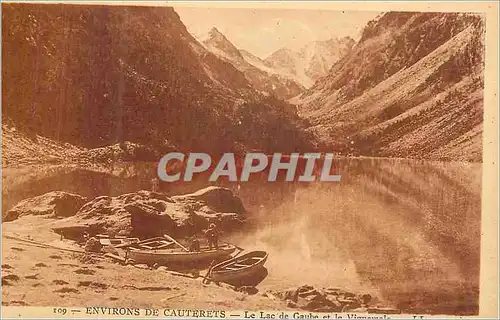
312,61
216,42
262,77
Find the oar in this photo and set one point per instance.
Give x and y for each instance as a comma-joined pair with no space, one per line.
172,239
240,251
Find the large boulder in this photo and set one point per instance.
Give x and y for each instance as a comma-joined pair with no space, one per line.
148,214
54,204
217,198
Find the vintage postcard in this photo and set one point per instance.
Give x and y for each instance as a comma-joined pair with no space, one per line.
250,160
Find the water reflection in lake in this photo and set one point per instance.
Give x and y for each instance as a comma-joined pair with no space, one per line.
407,230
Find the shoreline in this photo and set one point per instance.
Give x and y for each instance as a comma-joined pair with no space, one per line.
277,230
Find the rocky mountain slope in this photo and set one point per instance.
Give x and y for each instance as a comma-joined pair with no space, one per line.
99,75
263,79
411,87
20,149
311,62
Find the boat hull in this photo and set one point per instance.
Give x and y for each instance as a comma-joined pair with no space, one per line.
165,257
219,274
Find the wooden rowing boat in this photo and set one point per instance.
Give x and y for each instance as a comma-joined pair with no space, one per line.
177,256
240,267
118,241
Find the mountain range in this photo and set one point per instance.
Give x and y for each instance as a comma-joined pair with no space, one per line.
285,73
411,87
263,79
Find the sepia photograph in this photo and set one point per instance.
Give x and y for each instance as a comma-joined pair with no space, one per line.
205,161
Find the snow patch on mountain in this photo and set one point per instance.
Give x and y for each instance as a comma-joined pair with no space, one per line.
311,62
262,77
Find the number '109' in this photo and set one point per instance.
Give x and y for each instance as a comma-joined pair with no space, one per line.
62,311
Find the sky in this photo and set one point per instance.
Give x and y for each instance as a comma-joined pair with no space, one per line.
263,31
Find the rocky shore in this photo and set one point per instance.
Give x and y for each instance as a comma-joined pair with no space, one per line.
313,299
55,222
140,214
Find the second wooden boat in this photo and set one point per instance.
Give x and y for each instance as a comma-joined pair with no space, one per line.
238,268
